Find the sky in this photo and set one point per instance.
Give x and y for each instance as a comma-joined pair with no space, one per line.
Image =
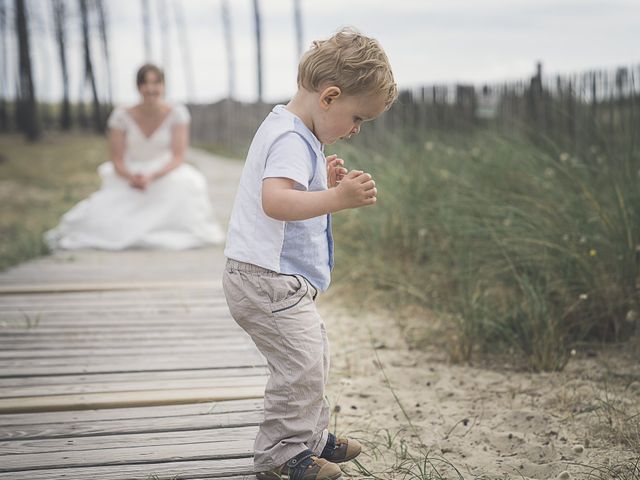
427,41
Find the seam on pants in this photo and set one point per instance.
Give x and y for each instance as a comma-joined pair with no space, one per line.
288,351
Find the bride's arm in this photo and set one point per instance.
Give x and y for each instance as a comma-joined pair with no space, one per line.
116,144
179,144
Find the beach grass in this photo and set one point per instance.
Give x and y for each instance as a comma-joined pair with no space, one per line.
517,248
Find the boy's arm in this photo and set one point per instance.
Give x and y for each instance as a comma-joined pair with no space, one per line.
281,201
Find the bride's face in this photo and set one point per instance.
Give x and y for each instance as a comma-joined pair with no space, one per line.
152,89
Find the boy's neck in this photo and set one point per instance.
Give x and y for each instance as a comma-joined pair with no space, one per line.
301,105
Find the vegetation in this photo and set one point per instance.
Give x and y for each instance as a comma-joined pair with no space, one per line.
517,247
39,183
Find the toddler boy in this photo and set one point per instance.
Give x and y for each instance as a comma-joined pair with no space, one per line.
280,246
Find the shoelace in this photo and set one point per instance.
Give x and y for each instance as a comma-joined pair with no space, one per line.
299,464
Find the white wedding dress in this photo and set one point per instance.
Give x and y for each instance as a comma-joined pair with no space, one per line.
172,213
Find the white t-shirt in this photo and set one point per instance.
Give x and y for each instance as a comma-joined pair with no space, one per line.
282,147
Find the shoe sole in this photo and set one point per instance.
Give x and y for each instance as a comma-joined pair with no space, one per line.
346,459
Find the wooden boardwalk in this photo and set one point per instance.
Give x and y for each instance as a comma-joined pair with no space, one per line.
127,365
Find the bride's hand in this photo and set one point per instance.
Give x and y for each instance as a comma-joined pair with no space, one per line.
139,181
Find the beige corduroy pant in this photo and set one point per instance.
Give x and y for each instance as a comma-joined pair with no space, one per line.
279,313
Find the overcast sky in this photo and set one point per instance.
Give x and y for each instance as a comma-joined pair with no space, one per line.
427,41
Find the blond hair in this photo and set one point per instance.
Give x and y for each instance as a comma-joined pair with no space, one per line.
351,61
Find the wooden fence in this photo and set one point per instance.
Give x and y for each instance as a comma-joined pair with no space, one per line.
571,112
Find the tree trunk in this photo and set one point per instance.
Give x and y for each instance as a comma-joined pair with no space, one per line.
88,67
27,113
297,19
4,78
228,41
59,17
146,31
256,11
186,51
103,22
165,37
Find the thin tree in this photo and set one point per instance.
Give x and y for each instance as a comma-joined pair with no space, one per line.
186,51
146,30
88,66
27,112
228,41
60,21
103,25
165,37
297,20
4,78
256,13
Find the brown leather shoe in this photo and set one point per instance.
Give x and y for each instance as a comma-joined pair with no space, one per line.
338,450
304,466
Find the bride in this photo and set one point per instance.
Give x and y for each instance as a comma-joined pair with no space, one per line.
149,197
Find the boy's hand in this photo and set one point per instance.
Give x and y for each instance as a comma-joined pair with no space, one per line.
335,170
357,189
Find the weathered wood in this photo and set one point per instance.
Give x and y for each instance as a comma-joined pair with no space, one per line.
127,455
47,390
71,304
102,286
113,334
230,344
210,344
228,469
116,427
126,399
88,330
128,359
130,440
205,374
157,413
250,359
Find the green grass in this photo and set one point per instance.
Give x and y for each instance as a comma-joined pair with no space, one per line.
515,248
39,182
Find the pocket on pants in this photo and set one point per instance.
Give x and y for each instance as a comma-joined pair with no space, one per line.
284,291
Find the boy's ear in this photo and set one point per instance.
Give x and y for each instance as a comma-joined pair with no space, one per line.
329,95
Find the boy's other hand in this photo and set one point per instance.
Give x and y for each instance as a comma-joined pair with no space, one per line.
335,170
357,189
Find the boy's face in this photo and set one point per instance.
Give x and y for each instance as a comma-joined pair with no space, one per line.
342,115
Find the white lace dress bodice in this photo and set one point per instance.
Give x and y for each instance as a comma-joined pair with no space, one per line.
174,212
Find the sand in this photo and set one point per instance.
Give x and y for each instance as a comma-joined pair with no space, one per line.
484,422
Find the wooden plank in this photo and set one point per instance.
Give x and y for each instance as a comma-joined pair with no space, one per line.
131,440
145,360
128,454
228,469
229,344
164,310
133,377
251,359
126,399
102,322
104,387
168,301
50,332
74,301
126,344
132,425
157,413
103,286
113,334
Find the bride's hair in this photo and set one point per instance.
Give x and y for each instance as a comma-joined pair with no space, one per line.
146,68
